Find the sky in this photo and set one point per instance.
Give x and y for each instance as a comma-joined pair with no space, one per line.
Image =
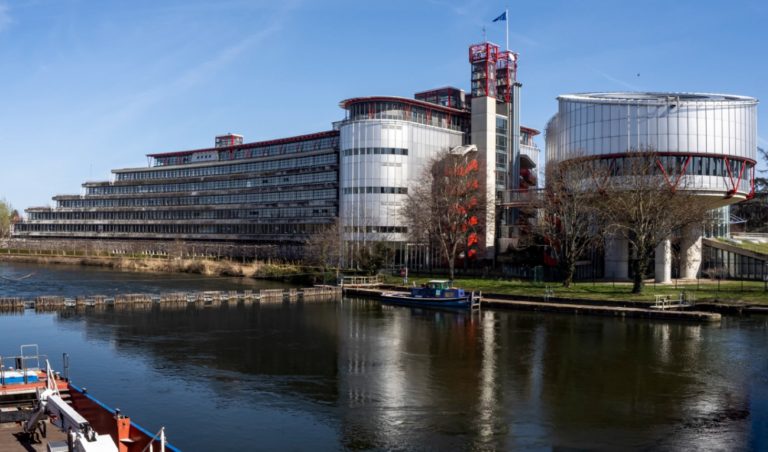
87,86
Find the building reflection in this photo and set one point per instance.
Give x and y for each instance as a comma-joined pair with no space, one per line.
398,378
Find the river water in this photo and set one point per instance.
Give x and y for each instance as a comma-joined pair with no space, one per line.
362,376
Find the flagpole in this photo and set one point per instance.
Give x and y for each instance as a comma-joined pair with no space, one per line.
506,23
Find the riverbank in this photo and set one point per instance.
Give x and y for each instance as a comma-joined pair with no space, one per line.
205,267
726,293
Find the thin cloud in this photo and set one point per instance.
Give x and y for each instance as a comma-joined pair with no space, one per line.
617,81
191,77
5,16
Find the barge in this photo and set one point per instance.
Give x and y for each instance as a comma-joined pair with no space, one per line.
434,294
43,410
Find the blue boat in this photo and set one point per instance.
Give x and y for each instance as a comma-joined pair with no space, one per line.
434,294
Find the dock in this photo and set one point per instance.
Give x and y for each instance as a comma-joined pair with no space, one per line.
570,307
172,300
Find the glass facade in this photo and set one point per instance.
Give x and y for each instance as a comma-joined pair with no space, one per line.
720,263
249,192
408,111
502,158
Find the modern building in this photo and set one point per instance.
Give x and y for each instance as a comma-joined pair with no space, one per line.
266,192
705,143
286,189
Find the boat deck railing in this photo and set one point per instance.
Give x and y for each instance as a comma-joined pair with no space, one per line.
27,361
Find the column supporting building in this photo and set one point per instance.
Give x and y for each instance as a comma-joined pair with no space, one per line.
664,261
690,252
616,257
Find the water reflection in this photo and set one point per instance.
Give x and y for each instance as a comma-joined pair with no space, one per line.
396,378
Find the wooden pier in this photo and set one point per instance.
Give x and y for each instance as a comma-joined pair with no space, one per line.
173,300
567,307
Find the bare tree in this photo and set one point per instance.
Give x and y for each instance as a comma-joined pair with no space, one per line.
447,208
645,201
5,218
324,248
567,214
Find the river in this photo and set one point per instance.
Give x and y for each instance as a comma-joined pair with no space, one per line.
362,376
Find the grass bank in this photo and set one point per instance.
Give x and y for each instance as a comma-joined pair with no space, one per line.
751,292
206,267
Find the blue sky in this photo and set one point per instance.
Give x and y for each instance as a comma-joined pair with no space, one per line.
88,86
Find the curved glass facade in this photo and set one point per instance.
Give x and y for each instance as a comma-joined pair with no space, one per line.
598,124
718,132
384,146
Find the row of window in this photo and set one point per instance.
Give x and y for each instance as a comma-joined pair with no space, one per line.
281,180
406,112
185,229
377,229
375,151
721,264
251,167
175,215
243,198
263,151
376,190
677,165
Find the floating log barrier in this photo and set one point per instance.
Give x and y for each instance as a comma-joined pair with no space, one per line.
10,304
248,297
48,303
320,292
271,296
174,300
133,301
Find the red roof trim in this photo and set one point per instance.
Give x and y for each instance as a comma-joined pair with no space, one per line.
420,103
533,132
258,144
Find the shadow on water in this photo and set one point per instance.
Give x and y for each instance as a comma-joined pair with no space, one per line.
359,375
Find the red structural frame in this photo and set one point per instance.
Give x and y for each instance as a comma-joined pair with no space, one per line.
507,68
487,53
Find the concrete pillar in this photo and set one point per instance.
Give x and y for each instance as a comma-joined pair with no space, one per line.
616,257
664,261
483,136
690,252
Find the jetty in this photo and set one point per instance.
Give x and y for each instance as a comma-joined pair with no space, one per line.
173,300
551,304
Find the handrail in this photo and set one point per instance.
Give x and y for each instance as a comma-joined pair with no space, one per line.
161,434
50,379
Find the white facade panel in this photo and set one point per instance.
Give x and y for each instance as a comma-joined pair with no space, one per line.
364,214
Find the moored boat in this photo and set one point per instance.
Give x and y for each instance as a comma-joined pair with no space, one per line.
434,294
42,410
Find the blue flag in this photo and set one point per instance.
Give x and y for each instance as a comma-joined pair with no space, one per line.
502,17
